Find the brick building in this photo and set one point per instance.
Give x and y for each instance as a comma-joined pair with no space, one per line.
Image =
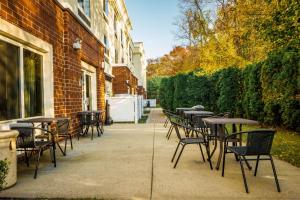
51,60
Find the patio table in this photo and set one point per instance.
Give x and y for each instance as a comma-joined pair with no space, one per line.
46,122
90,121
219,125
190,113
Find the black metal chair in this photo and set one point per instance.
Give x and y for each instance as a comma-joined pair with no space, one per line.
167,120
62,131
176,118
259,143
88,120
200,140
99,122
27,141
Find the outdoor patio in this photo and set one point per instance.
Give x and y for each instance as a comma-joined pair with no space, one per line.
133,162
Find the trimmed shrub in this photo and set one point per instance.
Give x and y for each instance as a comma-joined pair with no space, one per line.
153,85
200,90
180,95
230,91
252,92
280,86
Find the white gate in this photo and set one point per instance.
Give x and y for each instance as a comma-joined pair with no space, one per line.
125,108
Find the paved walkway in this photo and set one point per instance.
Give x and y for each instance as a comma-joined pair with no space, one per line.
133,162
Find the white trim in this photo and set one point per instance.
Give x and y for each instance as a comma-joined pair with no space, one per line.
91,71
15,35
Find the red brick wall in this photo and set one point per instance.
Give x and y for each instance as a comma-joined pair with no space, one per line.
119,81
58,27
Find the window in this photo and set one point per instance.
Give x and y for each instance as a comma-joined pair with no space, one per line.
9,81
116,56
20,96
105,7
33,83
122,37
115,25
106,49
84,5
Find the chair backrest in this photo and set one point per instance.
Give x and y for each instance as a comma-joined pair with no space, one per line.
176,126
259,142
26,135
85,118
62,126
197,121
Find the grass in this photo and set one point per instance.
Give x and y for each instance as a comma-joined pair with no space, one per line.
286,145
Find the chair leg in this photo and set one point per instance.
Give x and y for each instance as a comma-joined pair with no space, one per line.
66,142
62,151
256,166
208,155
71,141
92,132
37,163
98,130
244,176
179,156
54,156
275,174
26,157
201,152
169,132
248,165
175,152
224,157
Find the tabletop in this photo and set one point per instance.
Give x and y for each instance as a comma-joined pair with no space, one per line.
185,108
91,111
195,112
222,120
40,120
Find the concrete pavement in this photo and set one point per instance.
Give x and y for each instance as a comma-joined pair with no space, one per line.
133,162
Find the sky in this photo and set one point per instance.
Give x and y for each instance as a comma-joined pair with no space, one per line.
153,24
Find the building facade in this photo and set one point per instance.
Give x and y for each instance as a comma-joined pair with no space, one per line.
60,57
51,60
140,63
120,71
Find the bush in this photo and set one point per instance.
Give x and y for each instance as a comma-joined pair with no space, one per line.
180,94
166,92
252,92
200,90
280,85
153,85
3,173
230,91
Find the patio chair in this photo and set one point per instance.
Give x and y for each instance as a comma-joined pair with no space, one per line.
62,130
99,124
27,141
176,118
200,140
166,121
259,143
86,121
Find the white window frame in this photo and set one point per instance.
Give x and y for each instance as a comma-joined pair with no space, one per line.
16,36
82,10
22,78
91,71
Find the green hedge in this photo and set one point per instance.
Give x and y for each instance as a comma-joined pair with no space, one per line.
252,103
265,91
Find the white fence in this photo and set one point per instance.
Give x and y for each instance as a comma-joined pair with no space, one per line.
126,108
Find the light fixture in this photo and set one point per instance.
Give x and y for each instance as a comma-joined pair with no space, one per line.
77,44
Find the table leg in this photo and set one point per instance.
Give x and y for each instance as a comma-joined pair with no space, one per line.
220,154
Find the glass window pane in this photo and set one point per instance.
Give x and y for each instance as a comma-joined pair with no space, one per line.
87,8
33,84
9,81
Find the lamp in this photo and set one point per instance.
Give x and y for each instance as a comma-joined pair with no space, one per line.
77,44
